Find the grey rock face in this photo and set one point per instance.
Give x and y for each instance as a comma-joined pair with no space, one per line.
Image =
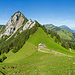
26,26
29,25
32,24
13,24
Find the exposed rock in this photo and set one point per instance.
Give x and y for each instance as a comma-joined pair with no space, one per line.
18,25
32,24
15,36
20,31
26,26
13,24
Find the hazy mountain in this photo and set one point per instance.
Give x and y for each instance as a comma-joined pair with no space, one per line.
64,34
52,27
66,28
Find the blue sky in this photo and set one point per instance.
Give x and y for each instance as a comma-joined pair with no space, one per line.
57,12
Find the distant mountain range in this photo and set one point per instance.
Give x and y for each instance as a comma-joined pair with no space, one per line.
66,28
64,31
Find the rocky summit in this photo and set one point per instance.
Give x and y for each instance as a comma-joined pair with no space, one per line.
16,21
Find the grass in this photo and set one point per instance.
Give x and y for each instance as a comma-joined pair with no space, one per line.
73,51
65,34
41,64
29,61
24,52
41,37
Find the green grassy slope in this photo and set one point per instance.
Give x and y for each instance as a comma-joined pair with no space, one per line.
24,52
65,34
41,37
41,64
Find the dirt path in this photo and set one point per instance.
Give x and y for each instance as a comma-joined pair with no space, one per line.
54,52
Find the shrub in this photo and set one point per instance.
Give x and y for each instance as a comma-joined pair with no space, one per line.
15,50
2,58
65,45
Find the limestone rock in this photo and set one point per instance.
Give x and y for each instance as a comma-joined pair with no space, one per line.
32,24
13,24
26,26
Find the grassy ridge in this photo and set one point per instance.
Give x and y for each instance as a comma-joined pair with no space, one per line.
41,37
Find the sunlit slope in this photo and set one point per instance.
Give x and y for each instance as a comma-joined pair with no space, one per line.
40,63
24,52
41,37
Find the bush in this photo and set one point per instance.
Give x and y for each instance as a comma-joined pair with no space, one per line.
2,58
56,40
15,50
65,45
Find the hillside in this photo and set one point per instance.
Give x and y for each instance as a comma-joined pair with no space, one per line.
64,34
24,52
28,60
42,37
66,28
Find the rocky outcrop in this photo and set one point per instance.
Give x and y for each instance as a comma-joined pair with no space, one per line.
26,26
13,24
17,21
29,24
32,24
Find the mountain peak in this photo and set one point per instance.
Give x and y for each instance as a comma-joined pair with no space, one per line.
15,22
16,13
